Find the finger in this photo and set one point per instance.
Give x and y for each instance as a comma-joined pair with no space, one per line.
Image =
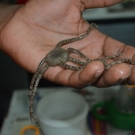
52,73
115,75
79,79
113,47
99,3
92,72
65,77
131,79
127,52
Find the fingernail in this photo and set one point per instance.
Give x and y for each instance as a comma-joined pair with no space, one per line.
98,73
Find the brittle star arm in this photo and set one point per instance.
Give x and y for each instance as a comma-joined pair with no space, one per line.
66,41
37,123
120,61
35,81
79,62
34,78
72,50
103,60
35,85
36,74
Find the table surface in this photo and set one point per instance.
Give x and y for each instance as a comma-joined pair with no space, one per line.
18,115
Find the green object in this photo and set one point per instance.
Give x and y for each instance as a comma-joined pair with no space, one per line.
114,116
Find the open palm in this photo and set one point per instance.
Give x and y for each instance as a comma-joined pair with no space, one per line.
36,28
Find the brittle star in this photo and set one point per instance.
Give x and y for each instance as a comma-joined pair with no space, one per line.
59,56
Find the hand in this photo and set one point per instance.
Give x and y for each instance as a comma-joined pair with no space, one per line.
36,28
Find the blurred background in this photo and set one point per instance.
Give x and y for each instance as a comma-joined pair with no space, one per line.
116,21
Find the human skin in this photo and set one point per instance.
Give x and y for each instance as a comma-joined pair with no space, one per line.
29,32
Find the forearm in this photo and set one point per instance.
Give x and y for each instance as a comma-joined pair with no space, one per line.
6,12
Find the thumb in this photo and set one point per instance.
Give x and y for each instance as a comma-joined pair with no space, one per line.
99,3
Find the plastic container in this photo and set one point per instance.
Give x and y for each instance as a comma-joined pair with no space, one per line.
120,111
63,113
125,99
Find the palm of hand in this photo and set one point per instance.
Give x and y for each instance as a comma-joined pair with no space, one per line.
35,30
